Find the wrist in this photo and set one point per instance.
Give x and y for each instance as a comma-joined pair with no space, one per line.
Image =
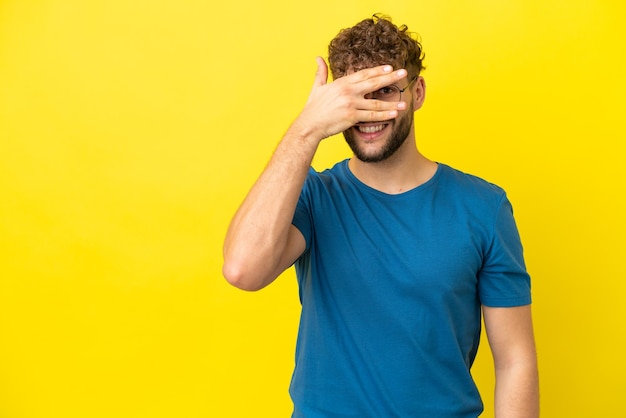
306,133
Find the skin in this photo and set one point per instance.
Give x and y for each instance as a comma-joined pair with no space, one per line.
510,335
261,242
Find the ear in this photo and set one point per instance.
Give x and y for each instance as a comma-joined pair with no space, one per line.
419,92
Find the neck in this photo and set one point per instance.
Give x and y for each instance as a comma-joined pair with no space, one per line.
406,169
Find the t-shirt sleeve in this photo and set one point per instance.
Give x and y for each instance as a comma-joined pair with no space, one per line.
503,280
302,218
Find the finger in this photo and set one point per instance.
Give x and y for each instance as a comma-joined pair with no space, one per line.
379,106
370,110
373,79
321,75
374,72
375,115
367,73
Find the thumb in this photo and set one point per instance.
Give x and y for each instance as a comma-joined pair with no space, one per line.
321,75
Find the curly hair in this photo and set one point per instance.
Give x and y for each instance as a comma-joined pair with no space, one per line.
372,42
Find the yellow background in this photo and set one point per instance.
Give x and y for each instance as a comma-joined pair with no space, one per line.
131,130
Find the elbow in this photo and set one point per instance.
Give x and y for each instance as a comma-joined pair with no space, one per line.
236,275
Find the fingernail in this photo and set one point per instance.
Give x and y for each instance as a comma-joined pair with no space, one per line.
393,113
401,73
387,68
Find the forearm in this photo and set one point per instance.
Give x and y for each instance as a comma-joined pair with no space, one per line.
517,390
510,334
257,236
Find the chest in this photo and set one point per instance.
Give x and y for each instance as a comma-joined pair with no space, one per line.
405,247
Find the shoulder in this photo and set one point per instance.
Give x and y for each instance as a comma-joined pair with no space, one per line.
328,178
469,184
472,195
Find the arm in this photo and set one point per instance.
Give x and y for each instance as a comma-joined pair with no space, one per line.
261,242
510,334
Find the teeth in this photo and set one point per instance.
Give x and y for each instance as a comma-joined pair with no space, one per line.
371,129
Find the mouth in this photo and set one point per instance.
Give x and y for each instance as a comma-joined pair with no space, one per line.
371,129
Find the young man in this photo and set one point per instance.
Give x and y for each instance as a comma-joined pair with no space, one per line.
396,255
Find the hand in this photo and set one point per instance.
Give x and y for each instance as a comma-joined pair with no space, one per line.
336,106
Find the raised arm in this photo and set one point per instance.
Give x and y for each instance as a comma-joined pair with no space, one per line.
510,334
261,242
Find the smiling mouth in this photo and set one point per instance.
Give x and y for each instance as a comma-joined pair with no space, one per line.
371,129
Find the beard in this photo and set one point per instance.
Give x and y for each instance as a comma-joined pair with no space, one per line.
399,134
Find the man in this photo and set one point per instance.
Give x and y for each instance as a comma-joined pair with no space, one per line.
396,255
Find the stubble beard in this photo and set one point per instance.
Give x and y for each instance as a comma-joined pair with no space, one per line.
398,136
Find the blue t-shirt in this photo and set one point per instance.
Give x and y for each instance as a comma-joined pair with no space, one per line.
391,288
